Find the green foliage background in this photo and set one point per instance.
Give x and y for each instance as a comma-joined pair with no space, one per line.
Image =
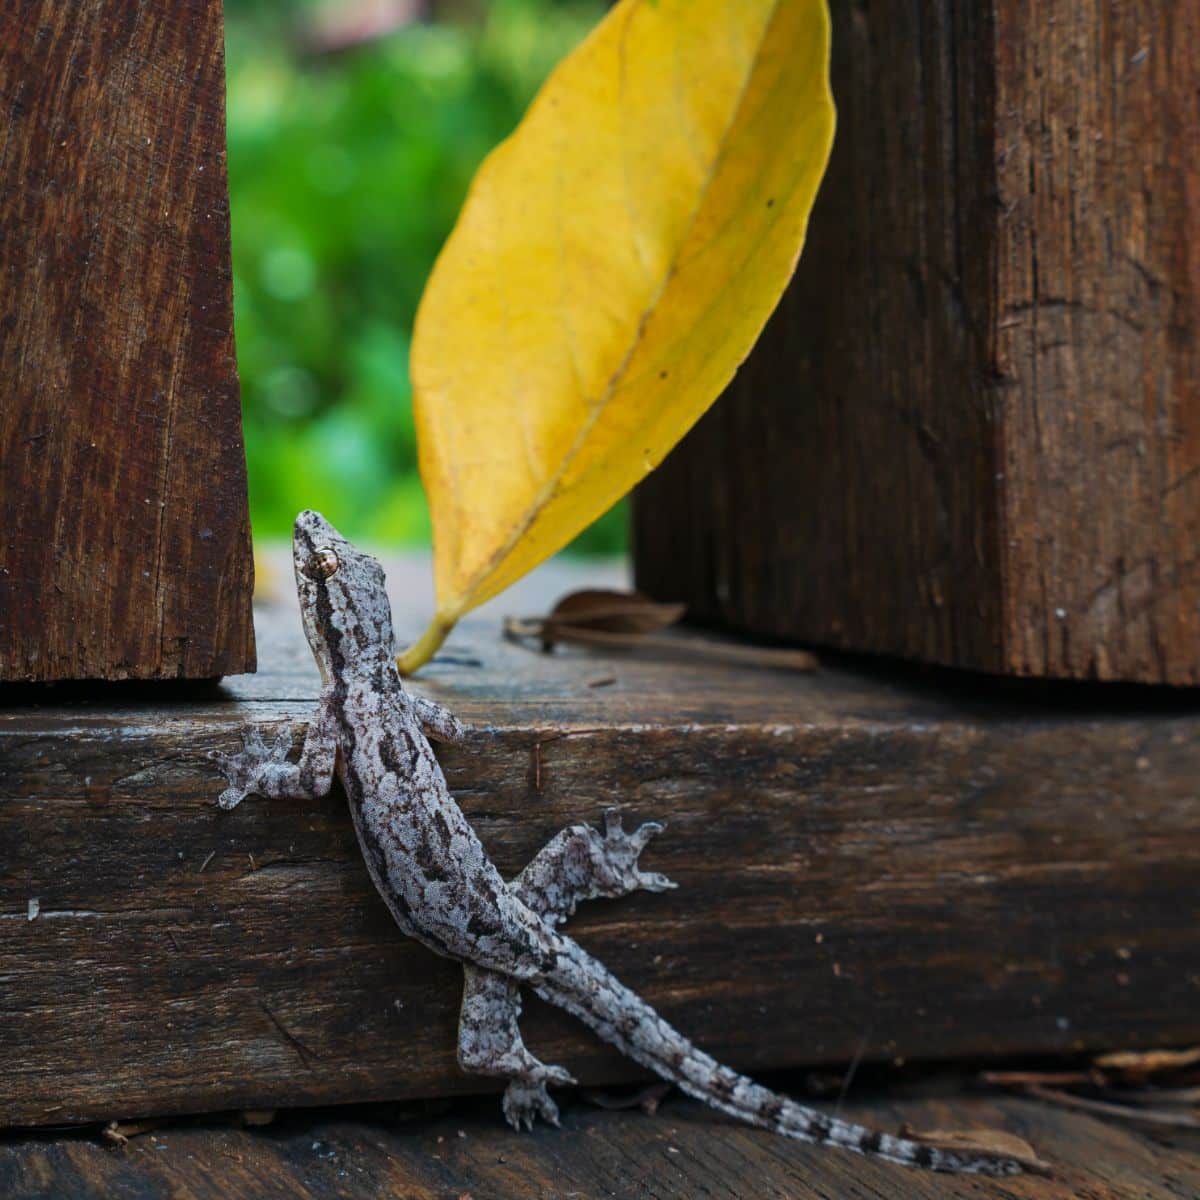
346,173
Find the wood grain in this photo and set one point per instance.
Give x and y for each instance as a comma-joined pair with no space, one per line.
684,1153
865,862
126,548
971,433
1095,337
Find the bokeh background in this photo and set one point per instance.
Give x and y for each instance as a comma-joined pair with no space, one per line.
355,127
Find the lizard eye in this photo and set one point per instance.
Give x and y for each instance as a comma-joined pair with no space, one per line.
323,563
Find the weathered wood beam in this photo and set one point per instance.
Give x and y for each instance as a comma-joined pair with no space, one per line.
865,861
684,1152
125,551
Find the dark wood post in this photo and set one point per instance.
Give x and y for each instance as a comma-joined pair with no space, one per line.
971,433
125,550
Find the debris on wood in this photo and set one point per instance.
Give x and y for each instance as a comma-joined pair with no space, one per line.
1019,1079
1141,1064
1155,1087
606,619
1181,1118
647,1099
1172,1096
118,1133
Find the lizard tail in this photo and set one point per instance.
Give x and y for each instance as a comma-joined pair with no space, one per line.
584,987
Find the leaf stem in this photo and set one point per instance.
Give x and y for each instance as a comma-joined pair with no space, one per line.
427,645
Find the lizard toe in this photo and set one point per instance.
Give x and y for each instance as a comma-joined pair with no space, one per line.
642,835
224,761
612,824
651,881
526,1100
548,1111
231,797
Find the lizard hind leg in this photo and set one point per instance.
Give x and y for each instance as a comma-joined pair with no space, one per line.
578,864
489,1043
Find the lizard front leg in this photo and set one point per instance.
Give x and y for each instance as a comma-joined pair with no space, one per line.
437,722
578,864
264,770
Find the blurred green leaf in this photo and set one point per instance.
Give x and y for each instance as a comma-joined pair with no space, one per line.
346,174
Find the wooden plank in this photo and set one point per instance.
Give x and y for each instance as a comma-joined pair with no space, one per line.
865,862
971,433
126,548
684,1153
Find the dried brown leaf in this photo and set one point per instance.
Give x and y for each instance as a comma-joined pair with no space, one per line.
615,620
609,611
988,1143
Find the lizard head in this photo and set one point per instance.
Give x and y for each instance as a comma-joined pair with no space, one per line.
343,601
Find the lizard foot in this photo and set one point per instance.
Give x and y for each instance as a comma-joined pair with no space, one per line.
526,1098
620,852
244,770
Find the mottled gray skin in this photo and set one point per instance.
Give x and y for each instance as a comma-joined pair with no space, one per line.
440,886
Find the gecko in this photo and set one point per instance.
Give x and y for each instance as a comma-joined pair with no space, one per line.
437,881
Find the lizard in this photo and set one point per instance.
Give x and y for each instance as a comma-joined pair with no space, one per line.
436,879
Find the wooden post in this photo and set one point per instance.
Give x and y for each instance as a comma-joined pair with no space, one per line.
971,433
125,549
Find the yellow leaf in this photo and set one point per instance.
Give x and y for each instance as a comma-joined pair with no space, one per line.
614,262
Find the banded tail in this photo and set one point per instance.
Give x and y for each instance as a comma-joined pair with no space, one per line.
584,987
